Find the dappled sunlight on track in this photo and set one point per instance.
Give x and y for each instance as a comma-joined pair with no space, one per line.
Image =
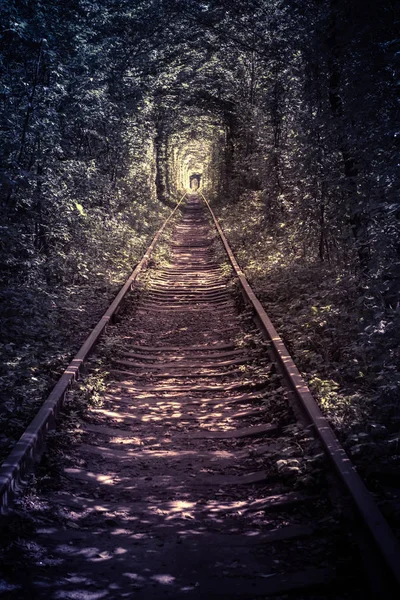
182,482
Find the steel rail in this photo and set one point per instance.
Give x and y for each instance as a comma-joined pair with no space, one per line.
31,443
383,536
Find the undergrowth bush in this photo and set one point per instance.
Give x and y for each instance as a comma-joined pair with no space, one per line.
336,326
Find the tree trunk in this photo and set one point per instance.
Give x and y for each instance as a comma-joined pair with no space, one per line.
159,145
357,219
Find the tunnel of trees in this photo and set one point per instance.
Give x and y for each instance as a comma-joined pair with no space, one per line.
287,112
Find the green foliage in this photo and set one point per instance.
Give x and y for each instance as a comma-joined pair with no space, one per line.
78,201
289,109
335,324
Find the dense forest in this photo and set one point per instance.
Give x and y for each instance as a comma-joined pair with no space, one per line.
288,109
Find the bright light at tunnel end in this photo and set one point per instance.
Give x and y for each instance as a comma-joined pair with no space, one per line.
195,156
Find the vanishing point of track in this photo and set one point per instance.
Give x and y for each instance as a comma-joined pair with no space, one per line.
198,473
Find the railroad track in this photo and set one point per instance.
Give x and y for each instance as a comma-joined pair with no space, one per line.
198,473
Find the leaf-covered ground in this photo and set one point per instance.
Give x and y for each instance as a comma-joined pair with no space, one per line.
343,338
42,327
43,331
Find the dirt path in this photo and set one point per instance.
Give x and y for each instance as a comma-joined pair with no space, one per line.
183,486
